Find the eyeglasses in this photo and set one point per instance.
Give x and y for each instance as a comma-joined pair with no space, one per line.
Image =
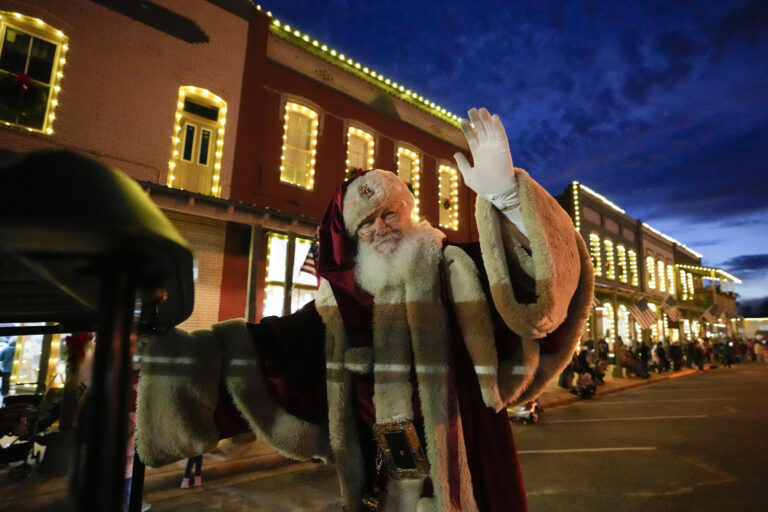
389,216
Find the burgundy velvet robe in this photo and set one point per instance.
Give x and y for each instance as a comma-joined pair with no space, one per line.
292,355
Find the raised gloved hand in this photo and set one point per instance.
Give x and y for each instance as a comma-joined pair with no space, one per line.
493,175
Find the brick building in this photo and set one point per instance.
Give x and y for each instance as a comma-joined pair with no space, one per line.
237,126
636,263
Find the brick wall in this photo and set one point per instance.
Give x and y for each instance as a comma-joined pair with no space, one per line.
121,82
206,237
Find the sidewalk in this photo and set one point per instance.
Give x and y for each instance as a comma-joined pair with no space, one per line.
554,395
233,459
244,455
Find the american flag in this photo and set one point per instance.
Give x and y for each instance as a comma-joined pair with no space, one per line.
310,262
669,306
643,314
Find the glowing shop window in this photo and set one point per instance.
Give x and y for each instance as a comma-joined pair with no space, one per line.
28,352
610,270
408,168
277,250
623,323
448,185
650,268
299,146
671,279
661,276
634,279
360,149
621,254
32,57
608,321
594,251
304,283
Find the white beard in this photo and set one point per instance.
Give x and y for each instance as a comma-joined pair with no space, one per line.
375,270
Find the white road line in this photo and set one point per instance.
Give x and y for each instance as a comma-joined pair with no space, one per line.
584,450
657,401
636,418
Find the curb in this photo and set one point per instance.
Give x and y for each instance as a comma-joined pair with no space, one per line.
566,400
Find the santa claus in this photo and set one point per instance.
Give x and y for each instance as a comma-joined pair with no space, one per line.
400,372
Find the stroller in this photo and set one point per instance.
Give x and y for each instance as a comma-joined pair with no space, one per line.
586,385
21,420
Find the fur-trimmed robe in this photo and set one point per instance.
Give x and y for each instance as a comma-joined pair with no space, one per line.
474,317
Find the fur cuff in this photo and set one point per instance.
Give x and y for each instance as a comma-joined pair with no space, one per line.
242,374
555,259
177,395
550,365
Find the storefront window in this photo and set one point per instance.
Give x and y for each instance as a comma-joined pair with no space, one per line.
623,324
304,286
608,331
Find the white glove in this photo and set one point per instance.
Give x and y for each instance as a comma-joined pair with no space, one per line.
493,176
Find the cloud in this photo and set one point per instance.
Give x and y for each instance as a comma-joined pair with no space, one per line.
747,265
749,23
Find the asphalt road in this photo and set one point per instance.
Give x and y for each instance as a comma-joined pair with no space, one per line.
696,443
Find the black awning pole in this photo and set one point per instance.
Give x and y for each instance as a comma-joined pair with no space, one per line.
98,480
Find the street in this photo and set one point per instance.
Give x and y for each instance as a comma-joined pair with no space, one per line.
692,443
685,444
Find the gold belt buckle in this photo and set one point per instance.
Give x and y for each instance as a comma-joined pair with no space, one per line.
401,450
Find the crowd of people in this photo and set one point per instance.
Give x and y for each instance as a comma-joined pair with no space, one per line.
639,359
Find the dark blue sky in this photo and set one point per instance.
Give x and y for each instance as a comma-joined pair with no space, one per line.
661,106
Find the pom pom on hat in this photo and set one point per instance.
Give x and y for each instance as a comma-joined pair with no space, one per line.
370,191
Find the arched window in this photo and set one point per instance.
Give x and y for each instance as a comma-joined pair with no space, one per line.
448,185
633,278
594,251
671,279
297,165
360,149
683,285
198,140
622,271
32,57
650,269
610,268
409,168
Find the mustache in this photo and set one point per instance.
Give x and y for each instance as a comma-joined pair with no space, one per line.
387,239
